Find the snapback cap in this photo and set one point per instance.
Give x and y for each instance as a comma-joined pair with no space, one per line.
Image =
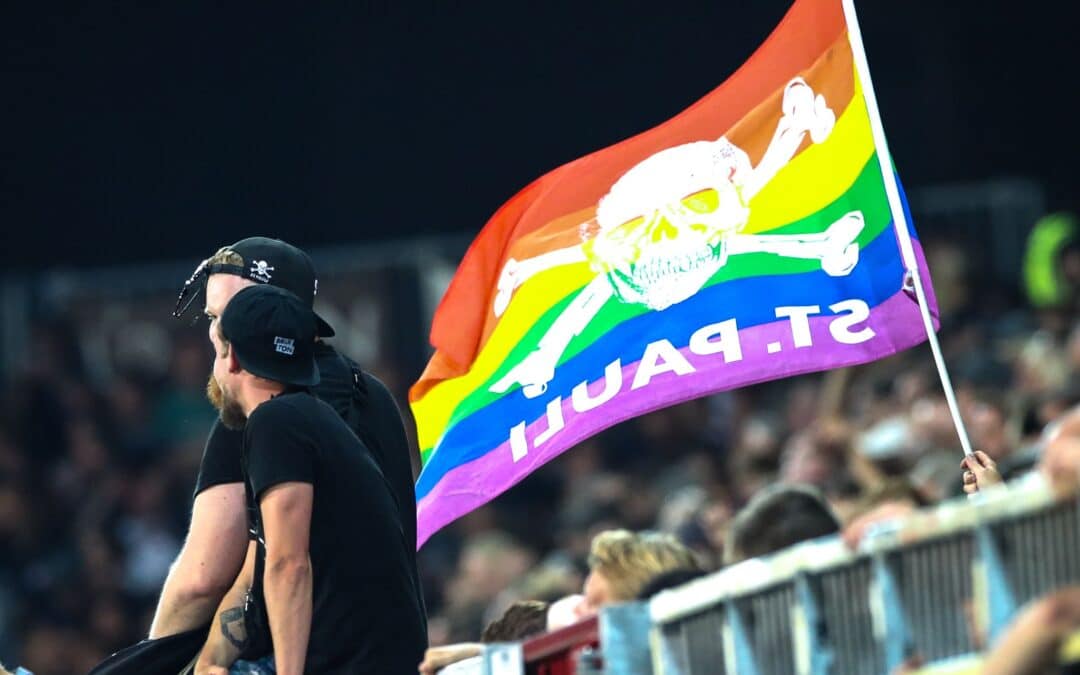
264,261
273,333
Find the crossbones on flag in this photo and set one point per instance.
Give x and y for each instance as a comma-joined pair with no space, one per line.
749,238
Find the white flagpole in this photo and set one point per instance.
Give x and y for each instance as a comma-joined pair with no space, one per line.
899,219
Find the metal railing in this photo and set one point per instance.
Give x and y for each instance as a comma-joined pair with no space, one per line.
567,651
941,584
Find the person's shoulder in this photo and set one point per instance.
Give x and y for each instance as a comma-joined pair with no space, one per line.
337,372
284,407
379,394
332,359
376,385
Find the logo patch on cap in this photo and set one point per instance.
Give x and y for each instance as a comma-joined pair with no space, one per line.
284,346
260,271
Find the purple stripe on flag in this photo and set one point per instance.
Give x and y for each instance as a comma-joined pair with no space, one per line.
896,324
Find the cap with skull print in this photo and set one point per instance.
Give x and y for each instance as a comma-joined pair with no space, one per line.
267,261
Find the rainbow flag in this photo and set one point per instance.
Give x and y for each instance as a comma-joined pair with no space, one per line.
749,238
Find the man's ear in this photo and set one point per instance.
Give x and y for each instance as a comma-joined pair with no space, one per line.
234,363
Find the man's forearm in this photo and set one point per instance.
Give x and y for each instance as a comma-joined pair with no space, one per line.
180,608
209,563
228,633
287,583
287,587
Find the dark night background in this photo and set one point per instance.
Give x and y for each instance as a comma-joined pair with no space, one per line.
156,131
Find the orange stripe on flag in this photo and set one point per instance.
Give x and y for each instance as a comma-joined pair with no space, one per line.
830,76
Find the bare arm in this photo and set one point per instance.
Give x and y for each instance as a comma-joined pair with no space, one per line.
287,585
1032,643
228,633
437,658
207,565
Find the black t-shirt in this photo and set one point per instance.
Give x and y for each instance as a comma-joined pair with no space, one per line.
367,615
367,406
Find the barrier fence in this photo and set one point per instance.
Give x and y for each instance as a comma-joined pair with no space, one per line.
942,584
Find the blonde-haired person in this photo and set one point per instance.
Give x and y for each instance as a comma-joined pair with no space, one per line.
622,562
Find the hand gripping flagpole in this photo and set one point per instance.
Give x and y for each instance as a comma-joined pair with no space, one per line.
899,217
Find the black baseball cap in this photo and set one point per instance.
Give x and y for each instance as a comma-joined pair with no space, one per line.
273,333
264,261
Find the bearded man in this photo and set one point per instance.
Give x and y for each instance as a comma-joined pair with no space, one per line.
328,566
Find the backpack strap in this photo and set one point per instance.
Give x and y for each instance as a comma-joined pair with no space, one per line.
359,393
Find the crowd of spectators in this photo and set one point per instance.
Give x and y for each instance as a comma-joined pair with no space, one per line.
95,491
96,476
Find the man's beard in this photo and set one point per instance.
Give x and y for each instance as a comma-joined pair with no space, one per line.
213,392
232,414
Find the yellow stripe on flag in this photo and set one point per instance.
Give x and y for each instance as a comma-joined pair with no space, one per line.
815,177
535,297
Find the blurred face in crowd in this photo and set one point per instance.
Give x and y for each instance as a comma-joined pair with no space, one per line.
598,592
804,462
1061,464
932,422
989,431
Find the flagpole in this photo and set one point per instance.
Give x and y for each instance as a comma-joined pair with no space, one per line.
862,67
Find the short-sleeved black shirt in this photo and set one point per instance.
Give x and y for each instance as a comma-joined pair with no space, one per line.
369,409
367,615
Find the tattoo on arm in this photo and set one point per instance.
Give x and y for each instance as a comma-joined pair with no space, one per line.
232,627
